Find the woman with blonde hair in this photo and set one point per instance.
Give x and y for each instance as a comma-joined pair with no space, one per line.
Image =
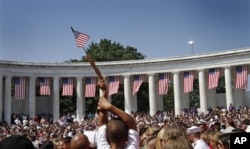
214,139
172,131
176,142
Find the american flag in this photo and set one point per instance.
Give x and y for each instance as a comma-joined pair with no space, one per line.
19,83
113,84
138,80
188,81
241,77
67,86
213,77
44,86
163,83
81,38
90,87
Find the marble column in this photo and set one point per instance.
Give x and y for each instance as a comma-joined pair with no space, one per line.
229,88
177,93
1,96
152,95
7,101
79,99
203,94
56,105
127,94
32,96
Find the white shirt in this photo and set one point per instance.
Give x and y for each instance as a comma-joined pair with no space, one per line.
200,144
102,142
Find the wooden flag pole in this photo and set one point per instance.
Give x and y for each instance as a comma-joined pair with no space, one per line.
92,63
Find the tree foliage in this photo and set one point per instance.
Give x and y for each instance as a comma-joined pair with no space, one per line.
106,50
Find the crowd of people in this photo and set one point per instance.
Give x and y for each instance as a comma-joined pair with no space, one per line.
112,128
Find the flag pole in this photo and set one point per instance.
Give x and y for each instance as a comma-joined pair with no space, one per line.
92,63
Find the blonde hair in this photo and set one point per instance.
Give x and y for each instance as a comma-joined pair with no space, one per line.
177,142
152,131
175,131
214,137
159,137
172,131
205,136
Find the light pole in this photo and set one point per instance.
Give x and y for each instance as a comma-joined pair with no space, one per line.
191,44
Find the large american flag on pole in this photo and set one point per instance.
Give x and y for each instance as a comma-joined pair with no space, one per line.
44,86
19,85
90,87
114,82
67,86
163,83
241,77
188,81
138,80
213,77
81,38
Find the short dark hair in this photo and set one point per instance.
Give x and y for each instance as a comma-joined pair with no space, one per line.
246,121
48,145
117,131
15,141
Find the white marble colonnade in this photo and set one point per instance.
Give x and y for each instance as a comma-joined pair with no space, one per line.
150,68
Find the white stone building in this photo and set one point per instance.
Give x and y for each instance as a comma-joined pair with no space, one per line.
200,63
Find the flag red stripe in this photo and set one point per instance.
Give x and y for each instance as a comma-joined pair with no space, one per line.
163,84
213,78
188,81
67,89
45,87
82,39
138,80
20,88
90,87
242,78
114,85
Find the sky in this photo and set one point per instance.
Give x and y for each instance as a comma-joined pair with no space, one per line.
39,30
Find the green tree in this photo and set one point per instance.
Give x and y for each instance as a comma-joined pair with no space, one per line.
106,50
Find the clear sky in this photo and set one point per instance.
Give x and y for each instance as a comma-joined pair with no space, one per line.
39,30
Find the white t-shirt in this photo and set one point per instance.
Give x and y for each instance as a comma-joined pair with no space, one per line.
102,142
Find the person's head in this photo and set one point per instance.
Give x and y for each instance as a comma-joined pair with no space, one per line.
47,145
79,141
194,133
170,132
202,124
66,142
230,123
16,141
223,142
175,131
176,142
117,132
214,138
217,126
60,144
245,123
